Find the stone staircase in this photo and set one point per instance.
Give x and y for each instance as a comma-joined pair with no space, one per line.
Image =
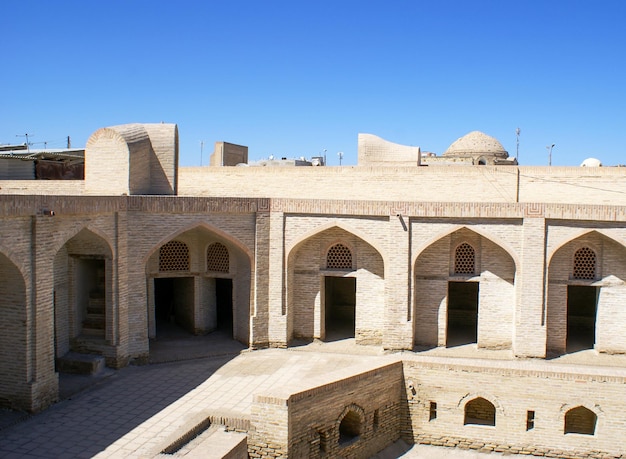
95,322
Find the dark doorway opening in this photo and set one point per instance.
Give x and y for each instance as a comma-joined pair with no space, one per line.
174,305
462,326
91,296
224,305
340,307
582,302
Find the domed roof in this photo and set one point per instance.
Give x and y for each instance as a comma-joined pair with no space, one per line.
476,143
591,162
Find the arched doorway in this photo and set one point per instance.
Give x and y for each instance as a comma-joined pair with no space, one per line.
13,339
199,283
83,295
464,293
586,294
336,288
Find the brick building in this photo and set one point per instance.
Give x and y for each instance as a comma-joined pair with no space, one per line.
526,260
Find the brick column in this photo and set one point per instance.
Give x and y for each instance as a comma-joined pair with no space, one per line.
42,378
398,327
530,328
269,322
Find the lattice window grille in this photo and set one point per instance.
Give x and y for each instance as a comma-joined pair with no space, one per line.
217,258
464,259
174,256
339,257
584,264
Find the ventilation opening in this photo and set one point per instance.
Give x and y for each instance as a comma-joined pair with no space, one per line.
480,412
340,307
349,429
376,421
581,317
462,327
580,420
174,305
530,420
432,415
224,305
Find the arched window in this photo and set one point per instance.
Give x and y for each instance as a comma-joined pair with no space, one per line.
580,420
174,256
464,259
584,264
480,412
217,258
339,257
349,428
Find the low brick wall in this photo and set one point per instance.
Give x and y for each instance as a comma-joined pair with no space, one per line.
309,423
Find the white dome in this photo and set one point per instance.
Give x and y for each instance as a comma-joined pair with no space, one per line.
591,162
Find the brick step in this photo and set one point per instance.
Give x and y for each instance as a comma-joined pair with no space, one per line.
81,364
97,302
92,332
95,310
94,321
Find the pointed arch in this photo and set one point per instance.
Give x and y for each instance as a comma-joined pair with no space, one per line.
463,291
504,245
323,299
13,339
200,225
88,228
335,224
580,420
579,235
586,277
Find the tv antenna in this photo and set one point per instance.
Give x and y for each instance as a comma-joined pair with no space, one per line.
27,142
340,154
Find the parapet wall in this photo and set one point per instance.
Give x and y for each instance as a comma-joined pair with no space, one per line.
569,185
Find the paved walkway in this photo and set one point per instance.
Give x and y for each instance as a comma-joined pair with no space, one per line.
127,412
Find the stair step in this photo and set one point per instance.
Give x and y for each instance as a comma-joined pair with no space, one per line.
83,364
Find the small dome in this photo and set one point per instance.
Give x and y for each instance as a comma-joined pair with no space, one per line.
591,162
476,144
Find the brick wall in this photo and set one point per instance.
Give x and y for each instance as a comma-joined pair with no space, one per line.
307,423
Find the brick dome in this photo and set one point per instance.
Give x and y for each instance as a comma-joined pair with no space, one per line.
477,145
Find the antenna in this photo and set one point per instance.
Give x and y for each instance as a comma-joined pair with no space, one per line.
517,133
340,154
201,148
27,142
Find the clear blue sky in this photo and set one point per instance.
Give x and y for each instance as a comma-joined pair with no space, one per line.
293,78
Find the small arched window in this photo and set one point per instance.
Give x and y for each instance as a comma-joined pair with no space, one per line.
217,258
339,257
584,264
580,420
464,259
349,428
174,256
480,412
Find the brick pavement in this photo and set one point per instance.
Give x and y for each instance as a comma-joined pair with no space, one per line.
86,424
129,413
